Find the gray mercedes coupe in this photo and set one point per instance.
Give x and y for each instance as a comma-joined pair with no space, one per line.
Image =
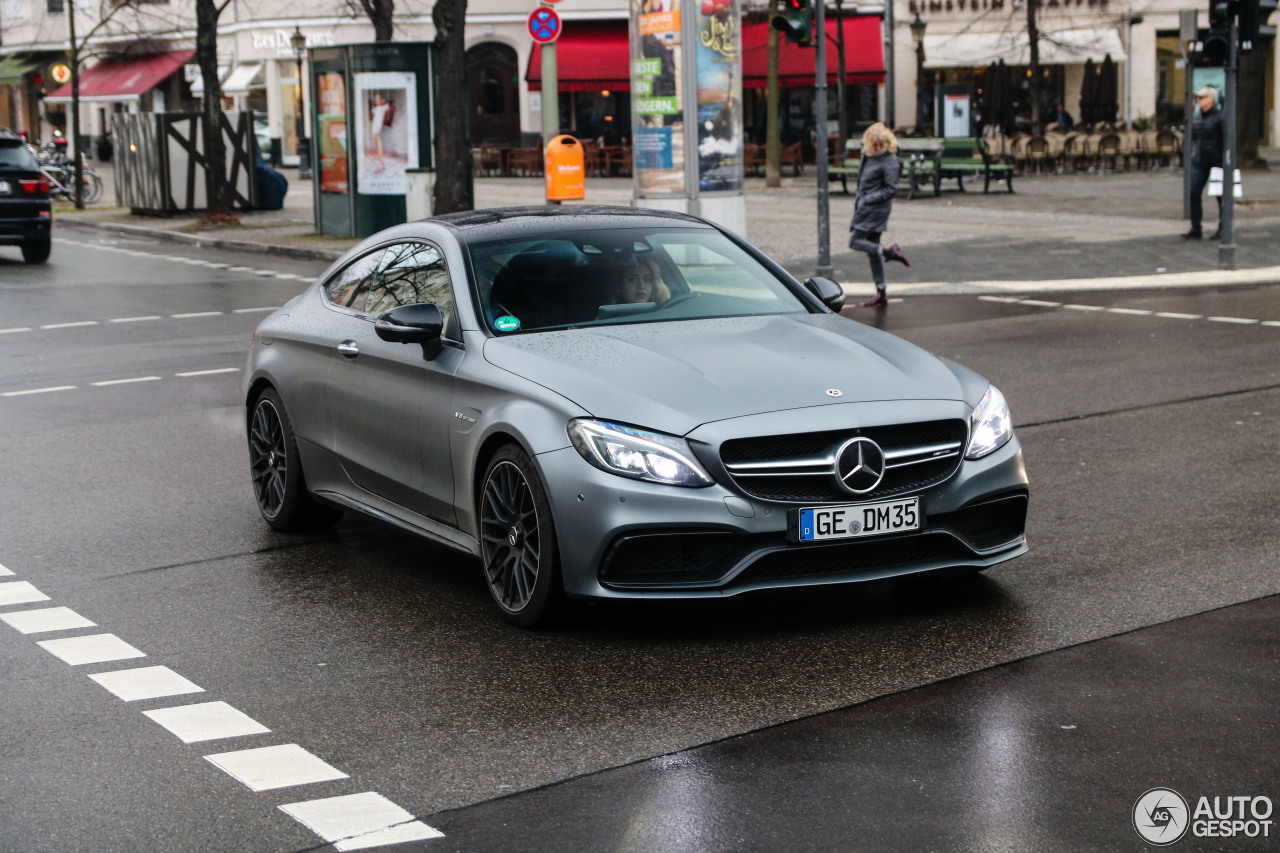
608,403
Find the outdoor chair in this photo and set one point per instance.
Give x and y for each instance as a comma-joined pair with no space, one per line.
793,156
1037,152
1166,148
1108,151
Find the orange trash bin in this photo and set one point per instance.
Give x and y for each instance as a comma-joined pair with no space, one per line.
566,178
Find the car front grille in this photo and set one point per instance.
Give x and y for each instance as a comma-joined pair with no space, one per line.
799,468
872,557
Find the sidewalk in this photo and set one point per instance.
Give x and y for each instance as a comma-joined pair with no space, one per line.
1054,232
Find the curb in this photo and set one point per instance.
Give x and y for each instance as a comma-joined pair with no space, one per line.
298,252
1207,278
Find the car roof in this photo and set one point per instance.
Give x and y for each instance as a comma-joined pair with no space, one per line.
516,222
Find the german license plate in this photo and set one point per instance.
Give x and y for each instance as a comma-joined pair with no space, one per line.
851,521
5,189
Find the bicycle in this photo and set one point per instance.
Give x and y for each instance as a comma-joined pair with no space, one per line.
61,174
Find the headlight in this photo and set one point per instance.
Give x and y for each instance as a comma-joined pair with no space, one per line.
990,426
637,453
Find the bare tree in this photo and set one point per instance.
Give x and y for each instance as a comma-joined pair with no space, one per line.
1033,43
772,141
452,149
380,13
217,190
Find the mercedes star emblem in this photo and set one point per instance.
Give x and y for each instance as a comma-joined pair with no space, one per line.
859,465
834,392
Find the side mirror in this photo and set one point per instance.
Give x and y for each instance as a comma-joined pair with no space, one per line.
830,293
413,324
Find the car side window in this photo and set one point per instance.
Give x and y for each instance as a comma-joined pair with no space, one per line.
410,274
349,288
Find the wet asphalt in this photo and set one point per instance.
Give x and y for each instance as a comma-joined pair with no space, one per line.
894,716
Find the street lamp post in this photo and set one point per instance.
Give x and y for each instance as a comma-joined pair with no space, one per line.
299,43
917,34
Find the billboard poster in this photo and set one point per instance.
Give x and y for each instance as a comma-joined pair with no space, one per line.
657,119
386,119
331,120
719,56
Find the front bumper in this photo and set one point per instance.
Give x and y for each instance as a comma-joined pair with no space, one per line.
623,538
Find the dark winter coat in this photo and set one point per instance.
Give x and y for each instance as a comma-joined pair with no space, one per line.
877,184
1206,139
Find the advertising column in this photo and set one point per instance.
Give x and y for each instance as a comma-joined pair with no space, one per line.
686,96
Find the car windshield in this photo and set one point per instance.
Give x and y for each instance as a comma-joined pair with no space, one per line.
622,275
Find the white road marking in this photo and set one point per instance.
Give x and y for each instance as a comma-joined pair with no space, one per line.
1085,307
20,592
239,269
264,273
95,648
38,391
5,572
1040,302
1135,311
253,310
206,721
46,619
359,821
71,325
136,319
106,382
214,265
1241,320
288,276
271,767
1141,312
1174,315
15,330
209,372
148,682
196,314
1271,322
998,299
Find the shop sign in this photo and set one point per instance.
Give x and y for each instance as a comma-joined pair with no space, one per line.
280,40
954,6
60,72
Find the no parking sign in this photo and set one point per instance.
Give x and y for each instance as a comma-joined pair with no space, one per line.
544,25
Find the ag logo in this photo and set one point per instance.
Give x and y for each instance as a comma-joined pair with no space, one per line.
1161,816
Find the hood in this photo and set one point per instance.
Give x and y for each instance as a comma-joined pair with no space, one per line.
675,376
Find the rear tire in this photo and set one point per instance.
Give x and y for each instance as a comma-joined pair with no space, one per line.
518,545
278,482
37,251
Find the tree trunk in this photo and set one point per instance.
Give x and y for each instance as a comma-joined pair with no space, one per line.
73,144
1033,39
218,199
772,141
380,15
453,98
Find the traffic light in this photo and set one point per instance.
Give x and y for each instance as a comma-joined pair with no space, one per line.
1253,17
1217,43
795,21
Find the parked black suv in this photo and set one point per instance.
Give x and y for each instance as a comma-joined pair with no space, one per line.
25,211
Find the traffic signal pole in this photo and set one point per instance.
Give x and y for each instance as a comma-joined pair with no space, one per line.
1226,223
820,113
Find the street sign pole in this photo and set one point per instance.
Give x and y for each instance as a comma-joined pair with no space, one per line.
1226,222
545,27
820,113
1188,31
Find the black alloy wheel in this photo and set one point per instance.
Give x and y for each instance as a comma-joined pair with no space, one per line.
278,483
518,540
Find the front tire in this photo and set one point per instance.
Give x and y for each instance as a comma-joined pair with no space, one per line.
278,483
518,540
37,251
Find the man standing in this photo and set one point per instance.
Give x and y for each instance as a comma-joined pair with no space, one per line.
1206,153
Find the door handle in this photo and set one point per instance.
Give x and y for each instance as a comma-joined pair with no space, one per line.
348,349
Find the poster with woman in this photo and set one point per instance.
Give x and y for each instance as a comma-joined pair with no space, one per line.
386,121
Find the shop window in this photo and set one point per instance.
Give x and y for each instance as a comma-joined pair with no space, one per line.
56,7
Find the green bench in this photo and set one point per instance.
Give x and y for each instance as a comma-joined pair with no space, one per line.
966,157
927,162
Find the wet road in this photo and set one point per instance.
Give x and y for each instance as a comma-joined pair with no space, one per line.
1150,441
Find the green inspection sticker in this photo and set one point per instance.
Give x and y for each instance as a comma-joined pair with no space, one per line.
506,323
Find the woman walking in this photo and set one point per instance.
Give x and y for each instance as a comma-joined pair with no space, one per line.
877,184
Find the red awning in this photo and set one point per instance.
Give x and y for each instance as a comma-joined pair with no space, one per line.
590,56
124,78
863,53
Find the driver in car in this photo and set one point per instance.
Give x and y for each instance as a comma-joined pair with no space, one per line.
640,282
